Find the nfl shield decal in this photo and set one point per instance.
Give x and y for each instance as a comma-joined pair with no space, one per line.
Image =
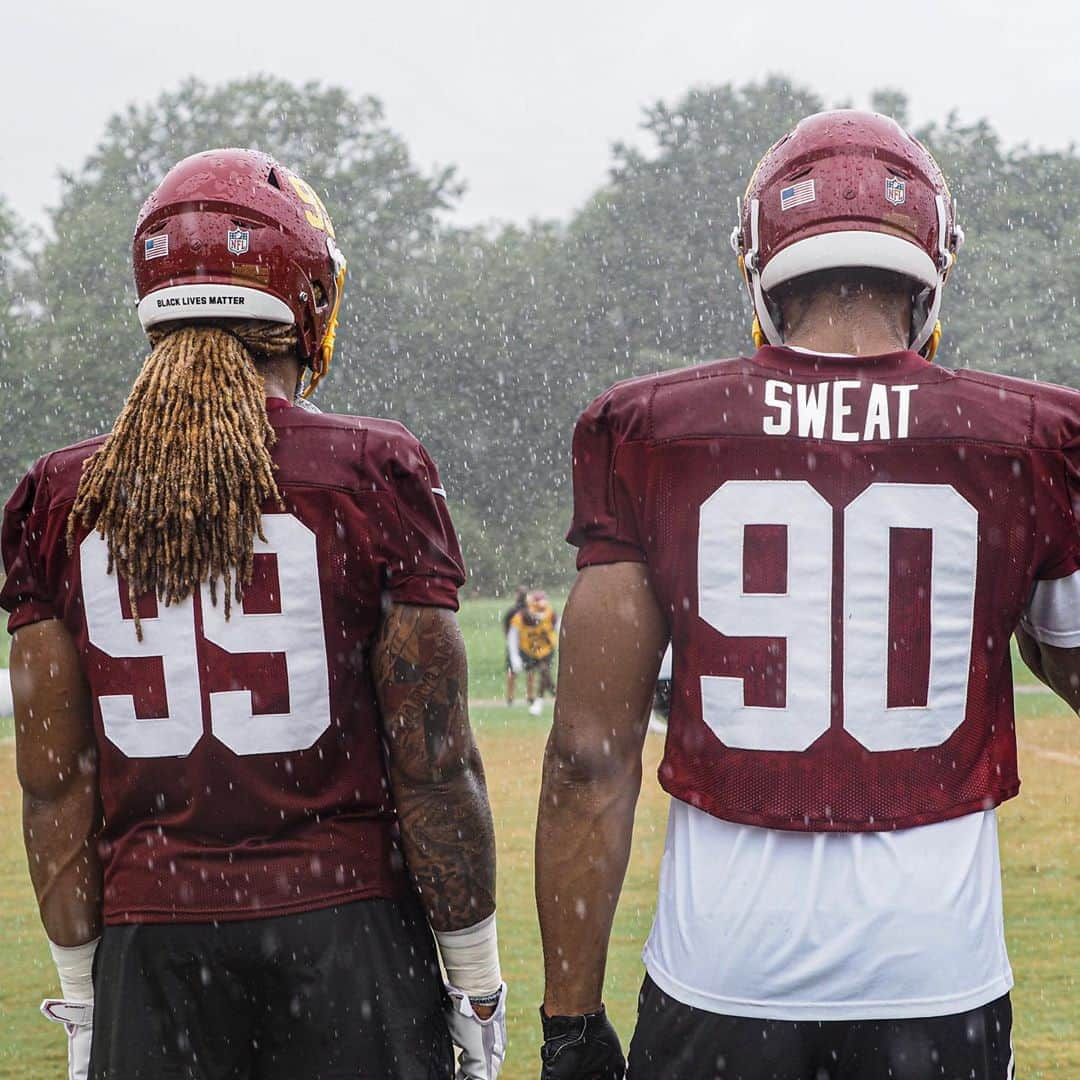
239,241
895,190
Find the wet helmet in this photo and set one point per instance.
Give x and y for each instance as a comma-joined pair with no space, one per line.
232,234
848,189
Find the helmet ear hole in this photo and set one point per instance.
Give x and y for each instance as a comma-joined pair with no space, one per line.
320,295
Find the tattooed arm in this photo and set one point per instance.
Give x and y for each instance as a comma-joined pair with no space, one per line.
436,774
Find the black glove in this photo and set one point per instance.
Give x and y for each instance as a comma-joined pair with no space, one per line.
581,1048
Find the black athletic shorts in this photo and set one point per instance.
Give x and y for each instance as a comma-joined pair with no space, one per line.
673,1041
530,663
352,991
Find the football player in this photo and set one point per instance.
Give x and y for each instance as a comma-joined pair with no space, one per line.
251,791
840,538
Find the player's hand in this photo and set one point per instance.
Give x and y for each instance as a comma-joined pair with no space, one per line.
581,1048
481,1041
78,1020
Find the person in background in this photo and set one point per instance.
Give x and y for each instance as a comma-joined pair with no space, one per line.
519,604
250,788
531,643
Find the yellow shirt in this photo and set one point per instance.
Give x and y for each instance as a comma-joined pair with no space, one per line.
536,641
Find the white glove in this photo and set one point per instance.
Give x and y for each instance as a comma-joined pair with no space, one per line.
482,1042
78,1020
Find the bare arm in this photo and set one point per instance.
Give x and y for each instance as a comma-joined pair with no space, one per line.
613,636
1058,668
436,774
56,759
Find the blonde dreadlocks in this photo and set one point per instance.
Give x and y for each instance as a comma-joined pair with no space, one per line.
177,487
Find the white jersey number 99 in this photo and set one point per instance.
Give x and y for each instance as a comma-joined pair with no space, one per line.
296,631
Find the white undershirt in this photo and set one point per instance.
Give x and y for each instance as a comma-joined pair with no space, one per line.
829,926
840,926
1053,612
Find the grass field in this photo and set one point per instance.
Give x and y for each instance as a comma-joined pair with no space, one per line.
1040,834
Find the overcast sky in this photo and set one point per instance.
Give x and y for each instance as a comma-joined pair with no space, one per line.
525,98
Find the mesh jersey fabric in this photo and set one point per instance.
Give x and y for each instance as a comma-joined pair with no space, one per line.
915,475
238,782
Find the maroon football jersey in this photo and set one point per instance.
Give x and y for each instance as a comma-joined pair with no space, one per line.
843,548
242,770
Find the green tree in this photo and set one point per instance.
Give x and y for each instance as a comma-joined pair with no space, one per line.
892,103
1011,302
489,344
18,316
385,210
524,327
658,235
503,333
10,322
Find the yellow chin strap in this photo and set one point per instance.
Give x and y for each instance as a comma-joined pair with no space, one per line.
755,329
326,350
929,350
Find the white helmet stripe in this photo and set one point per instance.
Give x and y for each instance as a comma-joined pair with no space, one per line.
849,249
211,302
761,306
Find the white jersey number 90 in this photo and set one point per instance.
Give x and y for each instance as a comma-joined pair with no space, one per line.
295,631
803,615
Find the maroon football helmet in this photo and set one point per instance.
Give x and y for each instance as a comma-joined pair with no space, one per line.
848,189
232,234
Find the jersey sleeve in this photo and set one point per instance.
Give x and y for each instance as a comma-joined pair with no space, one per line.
604,528
1052,615
26,594
1060,524
424,564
